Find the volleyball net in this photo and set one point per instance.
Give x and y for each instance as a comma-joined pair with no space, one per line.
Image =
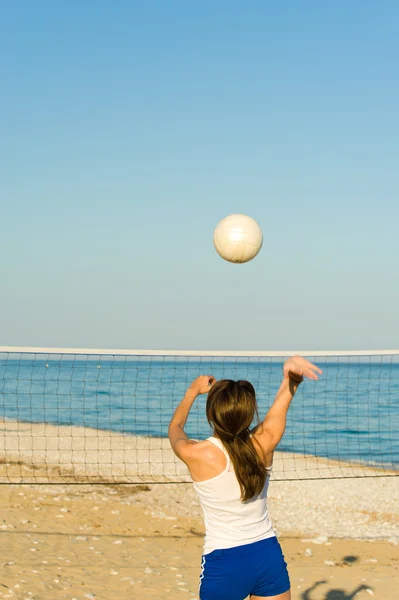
91,416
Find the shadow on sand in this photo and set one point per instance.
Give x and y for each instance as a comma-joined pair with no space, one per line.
336,594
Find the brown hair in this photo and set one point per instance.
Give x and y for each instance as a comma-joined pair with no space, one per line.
230,409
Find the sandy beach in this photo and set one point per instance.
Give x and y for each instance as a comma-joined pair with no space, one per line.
339,536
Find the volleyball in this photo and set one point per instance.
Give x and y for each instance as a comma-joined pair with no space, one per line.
237,238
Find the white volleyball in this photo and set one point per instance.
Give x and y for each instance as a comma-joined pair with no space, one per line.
238,238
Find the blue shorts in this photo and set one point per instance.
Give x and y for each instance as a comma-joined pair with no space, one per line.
234,573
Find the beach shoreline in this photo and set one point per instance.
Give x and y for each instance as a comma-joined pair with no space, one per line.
68,453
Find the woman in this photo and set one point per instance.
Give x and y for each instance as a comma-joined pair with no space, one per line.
241,555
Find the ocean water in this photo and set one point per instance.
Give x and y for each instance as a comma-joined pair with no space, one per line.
351,413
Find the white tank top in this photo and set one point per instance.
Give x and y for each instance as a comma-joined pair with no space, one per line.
228,521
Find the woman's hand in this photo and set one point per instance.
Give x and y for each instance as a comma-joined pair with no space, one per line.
202,384
297,367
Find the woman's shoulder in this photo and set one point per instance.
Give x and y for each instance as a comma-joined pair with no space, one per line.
265,453
206,448
207,461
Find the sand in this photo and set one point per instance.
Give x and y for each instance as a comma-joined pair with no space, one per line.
339,536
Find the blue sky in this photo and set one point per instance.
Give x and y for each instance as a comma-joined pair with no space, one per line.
129,129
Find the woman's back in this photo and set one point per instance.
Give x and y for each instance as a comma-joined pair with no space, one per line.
229,521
